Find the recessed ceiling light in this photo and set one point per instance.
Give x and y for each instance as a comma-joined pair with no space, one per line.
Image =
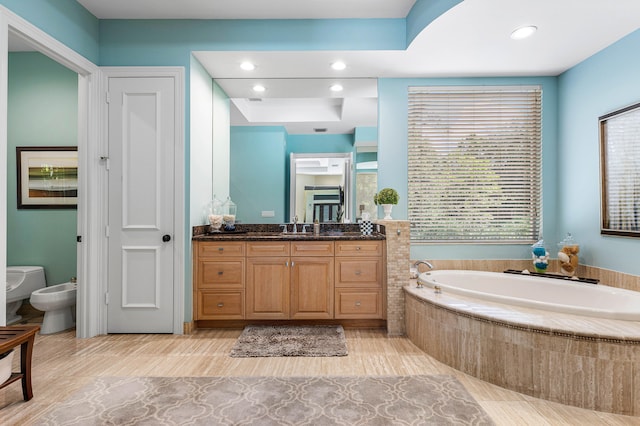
247,66
338,65
523,32
259,88
336,88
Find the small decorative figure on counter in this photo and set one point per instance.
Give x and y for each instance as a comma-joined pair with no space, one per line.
568,256
540,257
366,227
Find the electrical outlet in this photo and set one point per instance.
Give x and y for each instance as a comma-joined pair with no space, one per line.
268,213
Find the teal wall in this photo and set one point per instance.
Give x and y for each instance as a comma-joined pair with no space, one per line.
603,83
392,160
42,111
169,42
308,144
258,173
65,20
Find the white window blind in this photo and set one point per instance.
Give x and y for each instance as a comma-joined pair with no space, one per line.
620,157
475,164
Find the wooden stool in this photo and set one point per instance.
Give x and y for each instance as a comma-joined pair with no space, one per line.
23,335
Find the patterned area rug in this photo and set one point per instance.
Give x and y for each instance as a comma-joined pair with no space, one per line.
290,340
403,400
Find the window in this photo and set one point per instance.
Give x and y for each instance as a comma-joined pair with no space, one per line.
620,164
475,164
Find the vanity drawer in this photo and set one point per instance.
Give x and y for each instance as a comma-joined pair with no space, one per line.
220,249
358,304
358,272
358,248
268,248
220,305
312,248
222,273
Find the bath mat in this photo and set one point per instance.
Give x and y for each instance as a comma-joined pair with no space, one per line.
290,340
406,400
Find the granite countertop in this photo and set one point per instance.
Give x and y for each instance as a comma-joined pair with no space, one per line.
271,232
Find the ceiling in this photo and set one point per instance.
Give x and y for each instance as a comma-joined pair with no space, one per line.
470,40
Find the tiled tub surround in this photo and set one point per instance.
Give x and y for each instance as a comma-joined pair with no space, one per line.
591,363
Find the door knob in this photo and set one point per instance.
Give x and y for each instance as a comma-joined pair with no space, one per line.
166,238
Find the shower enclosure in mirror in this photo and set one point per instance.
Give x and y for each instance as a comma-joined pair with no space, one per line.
321,187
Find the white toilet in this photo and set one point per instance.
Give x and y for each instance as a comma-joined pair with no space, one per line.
21,282
57,302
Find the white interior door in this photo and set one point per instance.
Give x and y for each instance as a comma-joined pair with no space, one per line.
141,139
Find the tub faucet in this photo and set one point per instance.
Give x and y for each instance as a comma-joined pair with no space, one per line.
422,262
415,271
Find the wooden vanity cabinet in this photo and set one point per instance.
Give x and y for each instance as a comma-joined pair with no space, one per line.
219,280
282,280
359,270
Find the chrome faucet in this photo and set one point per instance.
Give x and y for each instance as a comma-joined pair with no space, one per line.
423,262
295,224
415,271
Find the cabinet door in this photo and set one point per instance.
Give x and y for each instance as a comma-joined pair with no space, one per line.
221,273
358,272
359,248
213,249
312,248
358,303
215,305
267,288
312,287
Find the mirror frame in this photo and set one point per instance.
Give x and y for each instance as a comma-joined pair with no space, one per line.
348,180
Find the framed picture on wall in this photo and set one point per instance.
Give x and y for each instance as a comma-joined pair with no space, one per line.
47,177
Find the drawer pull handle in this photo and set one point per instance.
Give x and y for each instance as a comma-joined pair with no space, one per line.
357,247
358,303
358,272
220,272
220,305
220,248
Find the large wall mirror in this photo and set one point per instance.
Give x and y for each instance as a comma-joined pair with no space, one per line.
321,187
303,108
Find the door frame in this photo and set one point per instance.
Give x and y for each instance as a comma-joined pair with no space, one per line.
87,252
179,234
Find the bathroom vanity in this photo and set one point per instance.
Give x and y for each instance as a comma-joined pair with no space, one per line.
260,274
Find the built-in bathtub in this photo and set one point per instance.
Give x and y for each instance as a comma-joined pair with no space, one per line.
559,353
549,294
